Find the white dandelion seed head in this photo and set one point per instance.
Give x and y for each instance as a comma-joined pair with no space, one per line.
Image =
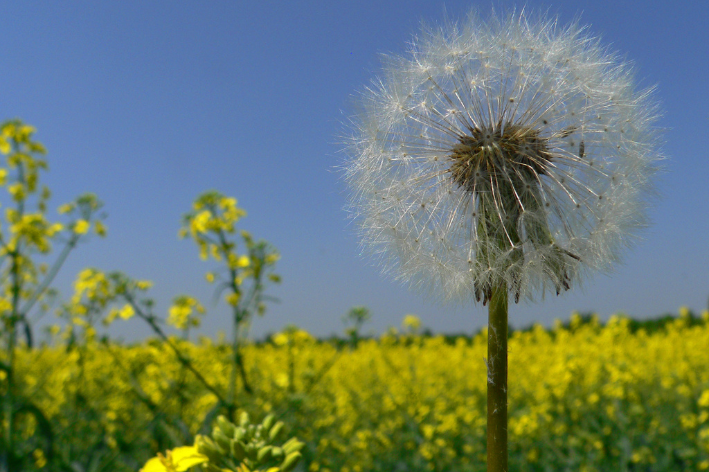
510,151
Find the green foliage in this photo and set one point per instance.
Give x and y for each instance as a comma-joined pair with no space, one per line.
249,447
355,319
27,235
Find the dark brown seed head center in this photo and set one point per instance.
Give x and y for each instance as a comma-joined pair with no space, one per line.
499,154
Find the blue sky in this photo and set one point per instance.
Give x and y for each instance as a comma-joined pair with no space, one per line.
148,104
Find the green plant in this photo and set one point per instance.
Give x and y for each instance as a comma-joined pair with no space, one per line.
27,237
245,447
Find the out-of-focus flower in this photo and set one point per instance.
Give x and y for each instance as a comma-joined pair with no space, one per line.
81,226
511,152
66,208
179,459
412,323
125,313
182,312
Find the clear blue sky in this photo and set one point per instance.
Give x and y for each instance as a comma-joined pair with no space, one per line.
150,103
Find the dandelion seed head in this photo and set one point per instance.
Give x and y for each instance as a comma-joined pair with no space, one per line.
510,151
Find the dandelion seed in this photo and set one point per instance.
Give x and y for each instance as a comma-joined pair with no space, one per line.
511,130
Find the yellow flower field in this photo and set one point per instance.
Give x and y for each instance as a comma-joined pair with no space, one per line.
582,397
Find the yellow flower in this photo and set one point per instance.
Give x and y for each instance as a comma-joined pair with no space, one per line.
238,262
280,339
243,261
17,191
412,322
180,313
66,208
227,202
143,284
81,226
272,258
39,460
100,228
26,130
5,304
233,299
11,215
8,130
199,222
176,460
704,399
126,312
54,229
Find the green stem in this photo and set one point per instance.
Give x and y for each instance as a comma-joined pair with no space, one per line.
15,254
238,315
71,244
237,355
180,357
497,381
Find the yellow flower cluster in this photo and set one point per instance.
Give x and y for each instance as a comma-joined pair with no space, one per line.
211,224
94,293
181,313
583,396
213,215
31,228
28,231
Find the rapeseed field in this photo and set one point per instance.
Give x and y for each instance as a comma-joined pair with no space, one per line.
582,396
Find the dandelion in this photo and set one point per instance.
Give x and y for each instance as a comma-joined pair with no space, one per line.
497,159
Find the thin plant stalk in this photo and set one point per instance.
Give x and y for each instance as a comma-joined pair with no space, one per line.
5,462
238,316
497,381
180,357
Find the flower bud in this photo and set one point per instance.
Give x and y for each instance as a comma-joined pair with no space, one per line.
264,454
268,422
207,447
275,431
292,445
237,450
290,462
221,440
226,426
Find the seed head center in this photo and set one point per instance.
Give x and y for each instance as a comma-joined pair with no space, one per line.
502,154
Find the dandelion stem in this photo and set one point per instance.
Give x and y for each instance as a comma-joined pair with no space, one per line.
497,381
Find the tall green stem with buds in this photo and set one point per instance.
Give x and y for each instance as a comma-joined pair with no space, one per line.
212,224
23,283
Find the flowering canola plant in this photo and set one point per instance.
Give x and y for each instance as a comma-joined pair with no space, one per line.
589,397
